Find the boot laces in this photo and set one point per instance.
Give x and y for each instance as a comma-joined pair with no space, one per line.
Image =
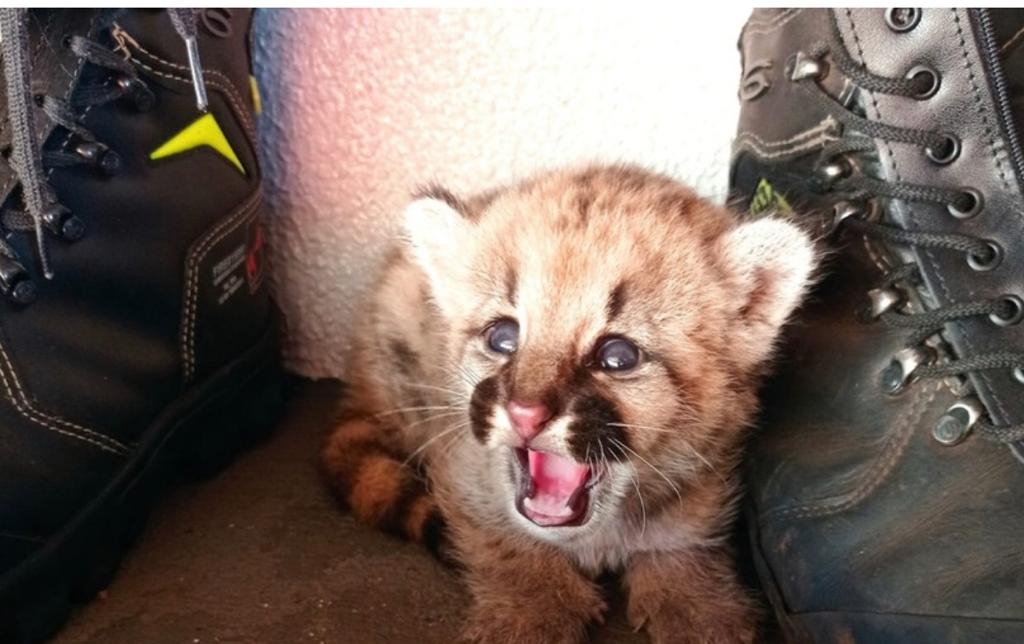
42,211
839,174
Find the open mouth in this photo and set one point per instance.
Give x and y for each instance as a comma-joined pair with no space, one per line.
553,490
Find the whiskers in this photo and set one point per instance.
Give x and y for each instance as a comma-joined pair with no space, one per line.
451,402
634,478
624,449
691,450
643,506
450,411
446,448
459,395
405,410
467,376
697,455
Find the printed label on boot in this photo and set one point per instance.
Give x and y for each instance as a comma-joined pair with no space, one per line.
244,264
226,275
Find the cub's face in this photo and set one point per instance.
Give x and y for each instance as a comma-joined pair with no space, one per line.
608,326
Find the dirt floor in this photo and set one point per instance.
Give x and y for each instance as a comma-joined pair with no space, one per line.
260,553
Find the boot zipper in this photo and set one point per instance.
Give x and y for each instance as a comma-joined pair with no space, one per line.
1004,111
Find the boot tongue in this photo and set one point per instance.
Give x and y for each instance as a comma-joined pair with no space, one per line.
556,482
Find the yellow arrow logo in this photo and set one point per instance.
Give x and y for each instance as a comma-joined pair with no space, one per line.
203,131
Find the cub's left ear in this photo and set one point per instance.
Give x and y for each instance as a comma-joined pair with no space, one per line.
439,237
772,264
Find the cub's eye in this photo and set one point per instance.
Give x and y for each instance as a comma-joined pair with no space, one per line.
618,354
503,336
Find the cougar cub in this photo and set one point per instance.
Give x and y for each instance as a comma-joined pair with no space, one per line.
555,380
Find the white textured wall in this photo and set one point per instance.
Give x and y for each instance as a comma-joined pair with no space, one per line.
363,105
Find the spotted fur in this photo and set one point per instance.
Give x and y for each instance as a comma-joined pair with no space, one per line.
574,257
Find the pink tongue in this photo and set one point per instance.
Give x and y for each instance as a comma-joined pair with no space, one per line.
555,480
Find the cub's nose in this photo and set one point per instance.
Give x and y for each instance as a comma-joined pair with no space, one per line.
527,420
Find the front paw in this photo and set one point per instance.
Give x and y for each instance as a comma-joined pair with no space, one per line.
717,621
531,623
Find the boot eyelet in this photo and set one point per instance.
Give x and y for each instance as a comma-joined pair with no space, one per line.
958,421
102,157
900,371
1018,374
902,20
827,174
72,229
24,292
947,154
62,223
15,282
90,150
973,202
111,163
882,300
1014,311
993,258
800,67
138,91
836,169
934,80
843,210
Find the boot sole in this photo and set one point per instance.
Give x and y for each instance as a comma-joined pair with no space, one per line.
197,435
819,627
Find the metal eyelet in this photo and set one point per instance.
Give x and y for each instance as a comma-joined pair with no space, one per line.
1015,307
826,175
974,200
62,223
900,371
982,264
958,421
843,210
15,282
800,67
949,152
882,300
934,80
1018,374
138,91
902,20
102,157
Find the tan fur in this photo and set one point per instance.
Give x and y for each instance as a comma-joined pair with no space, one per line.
419,513
377,482
573,257
704,609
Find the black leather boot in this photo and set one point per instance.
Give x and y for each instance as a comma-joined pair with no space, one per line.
887,480
136,333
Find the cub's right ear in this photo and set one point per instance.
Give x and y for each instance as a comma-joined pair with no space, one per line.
439,237
773,263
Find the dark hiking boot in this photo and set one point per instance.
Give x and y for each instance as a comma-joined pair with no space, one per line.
136,333
886,484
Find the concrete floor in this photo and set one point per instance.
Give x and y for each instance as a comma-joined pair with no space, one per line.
260,553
